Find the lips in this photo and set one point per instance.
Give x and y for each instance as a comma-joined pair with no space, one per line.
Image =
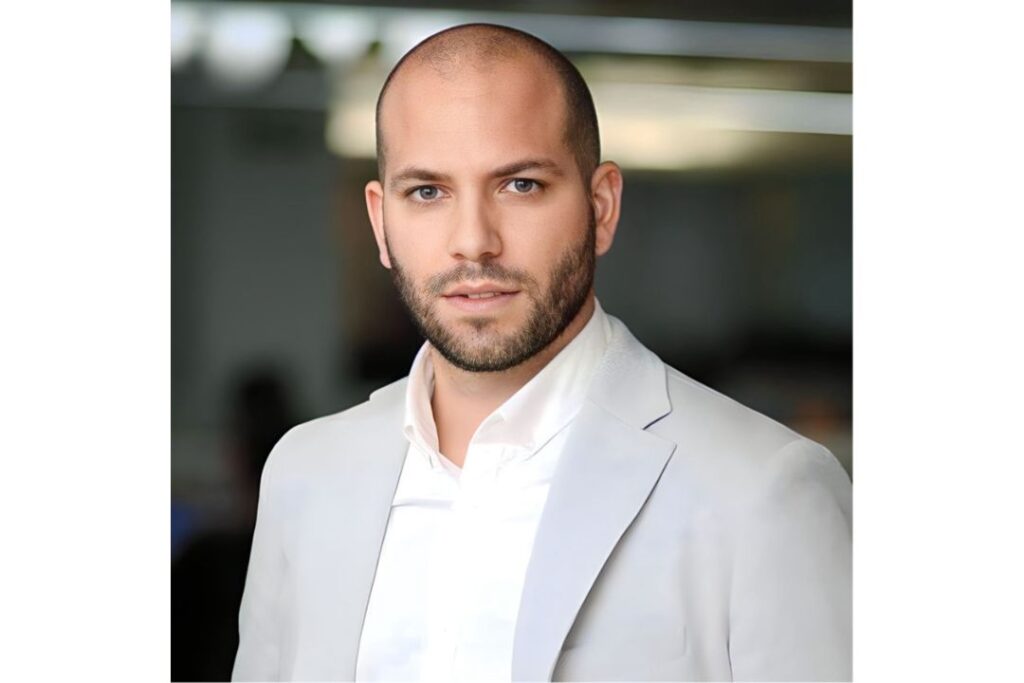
480,298
485,290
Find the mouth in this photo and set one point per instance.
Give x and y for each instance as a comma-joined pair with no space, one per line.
480,298
480,290
483,295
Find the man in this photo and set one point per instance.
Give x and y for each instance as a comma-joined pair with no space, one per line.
542,498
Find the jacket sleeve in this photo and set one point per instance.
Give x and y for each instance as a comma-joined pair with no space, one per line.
259,619
790,603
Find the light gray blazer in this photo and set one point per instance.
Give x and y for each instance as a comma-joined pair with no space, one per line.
685,537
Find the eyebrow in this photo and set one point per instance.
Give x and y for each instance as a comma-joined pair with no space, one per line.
419,174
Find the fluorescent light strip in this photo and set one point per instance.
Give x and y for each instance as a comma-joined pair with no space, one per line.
778,111
654,126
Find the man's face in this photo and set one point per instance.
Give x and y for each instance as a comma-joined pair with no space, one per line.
484,219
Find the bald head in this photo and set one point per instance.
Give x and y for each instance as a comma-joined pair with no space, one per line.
480,49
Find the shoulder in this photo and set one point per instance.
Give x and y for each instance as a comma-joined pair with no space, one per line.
710,419
354,421
321,444
723,449
732,452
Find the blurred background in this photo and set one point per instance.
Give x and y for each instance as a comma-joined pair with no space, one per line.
732,120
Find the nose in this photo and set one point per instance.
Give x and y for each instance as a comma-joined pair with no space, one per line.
474,235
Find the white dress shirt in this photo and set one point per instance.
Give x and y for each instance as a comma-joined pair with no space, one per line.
446,592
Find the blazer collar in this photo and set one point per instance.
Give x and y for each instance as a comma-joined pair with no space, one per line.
631,382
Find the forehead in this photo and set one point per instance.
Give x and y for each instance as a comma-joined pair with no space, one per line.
474,115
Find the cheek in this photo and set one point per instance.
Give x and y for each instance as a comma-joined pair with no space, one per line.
416,239
539,237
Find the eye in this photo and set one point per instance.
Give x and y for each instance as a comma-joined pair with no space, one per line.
426,193
522,185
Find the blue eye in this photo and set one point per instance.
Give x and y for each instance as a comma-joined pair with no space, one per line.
426,193
523,185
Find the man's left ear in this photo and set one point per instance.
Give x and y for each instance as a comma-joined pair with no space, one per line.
606,196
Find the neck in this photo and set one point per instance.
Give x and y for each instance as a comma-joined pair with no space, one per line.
463,399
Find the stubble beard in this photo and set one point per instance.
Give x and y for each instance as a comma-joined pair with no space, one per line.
482,350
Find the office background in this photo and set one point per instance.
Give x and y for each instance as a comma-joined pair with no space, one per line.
732,121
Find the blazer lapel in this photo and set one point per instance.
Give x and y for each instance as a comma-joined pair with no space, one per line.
360,503
607,471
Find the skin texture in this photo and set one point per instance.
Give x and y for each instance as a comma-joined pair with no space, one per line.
481,189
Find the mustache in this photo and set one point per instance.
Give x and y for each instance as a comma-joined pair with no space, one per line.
438,284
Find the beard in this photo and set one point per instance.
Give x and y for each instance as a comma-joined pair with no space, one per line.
485,350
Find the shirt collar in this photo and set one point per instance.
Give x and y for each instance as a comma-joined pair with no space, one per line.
531,416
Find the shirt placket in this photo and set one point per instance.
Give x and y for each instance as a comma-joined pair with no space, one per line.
466,546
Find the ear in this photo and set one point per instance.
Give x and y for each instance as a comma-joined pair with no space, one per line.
606,196
375,208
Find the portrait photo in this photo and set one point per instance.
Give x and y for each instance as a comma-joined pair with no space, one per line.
511,341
